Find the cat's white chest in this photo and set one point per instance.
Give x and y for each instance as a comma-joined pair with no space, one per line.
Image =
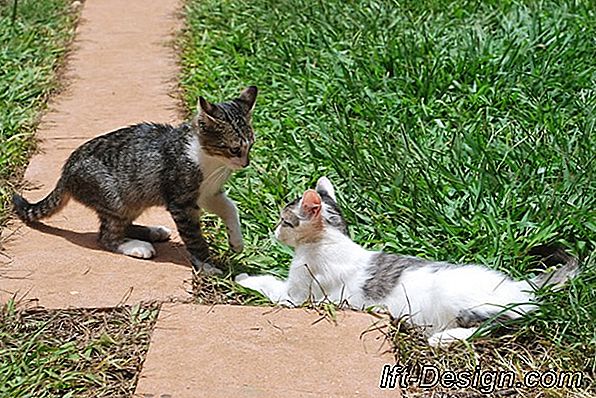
336,270
214,171
215,174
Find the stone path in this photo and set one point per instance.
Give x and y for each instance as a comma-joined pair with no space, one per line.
122,70
223,351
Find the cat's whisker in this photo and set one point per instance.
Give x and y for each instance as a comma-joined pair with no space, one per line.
216,177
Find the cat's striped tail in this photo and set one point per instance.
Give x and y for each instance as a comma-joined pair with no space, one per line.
554,256
30,212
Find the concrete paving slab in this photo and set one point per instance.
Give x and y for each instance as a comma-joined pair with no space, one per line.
121,71
230,351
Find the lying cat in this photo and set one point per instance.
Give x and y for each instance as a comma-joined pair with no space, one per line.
449,301
122,173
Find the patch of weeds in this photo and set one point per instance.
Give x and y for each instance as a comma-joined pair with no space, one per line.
74,352
212,290
520,348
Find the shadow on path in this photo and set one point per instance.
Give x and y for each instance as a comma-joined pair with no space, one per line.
167,252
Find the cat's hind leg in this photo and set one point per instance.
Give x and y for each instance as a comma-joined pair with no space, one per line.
112,235
149,234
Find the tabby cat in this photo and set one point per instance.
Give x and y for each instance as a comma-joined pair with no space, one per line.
183,168
449,301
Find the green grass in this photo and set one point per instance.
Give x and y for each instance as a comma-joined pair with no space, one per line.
56,353
454,130
30,54
68,353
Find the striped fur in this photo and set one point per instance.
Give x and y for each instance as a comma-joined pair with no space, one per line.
51,204
121,173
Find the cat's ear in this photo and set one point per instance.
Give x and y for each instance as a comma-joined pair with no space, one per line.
206,109
324,187
311,203
248,98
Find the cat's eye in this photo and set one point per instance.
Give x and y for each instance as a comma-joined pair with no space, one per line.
235,151
286,223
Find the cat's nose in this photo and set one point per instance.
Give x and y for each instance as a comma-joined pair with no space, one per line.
245,161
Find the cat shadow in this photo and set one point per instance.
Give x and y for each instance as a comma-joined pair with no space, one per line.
167,252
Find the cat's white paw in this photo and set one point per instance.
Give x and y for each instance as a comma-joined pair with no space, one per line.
236,242
251,282
440,341
247,281
159,233
447,337
241,277
137,248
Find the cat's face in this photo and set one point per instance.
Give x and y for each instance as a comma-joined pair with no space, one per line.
306,219
225,129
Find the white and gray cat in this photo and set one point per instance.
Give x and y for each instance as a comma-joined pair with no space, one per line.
449,301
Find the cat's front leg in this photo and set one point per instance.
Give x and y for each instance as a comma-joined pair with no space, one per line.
268,285
186,216
221,205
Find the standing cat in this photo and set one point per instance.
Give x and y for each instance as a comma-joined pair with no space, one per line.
449,301
124,172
